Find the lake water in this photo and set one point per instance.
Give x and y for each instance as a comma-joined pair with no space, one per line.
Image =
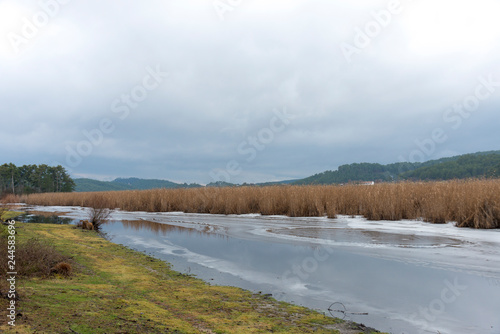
399,277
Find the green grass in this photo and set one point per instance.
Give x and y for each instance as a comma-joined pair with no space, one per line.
10,214
116,290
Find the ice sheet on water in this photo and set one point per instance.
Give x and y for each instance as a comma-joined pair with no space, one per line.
372,266
439,245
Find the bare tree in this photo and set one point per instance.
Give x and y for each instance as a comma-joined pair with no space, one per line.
98,211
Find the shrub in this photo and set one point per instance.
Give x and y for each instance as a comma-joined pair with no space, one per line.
34,258
98,212
62,268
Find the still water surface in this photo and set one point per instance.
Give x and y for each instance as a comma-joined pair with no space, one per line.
399,277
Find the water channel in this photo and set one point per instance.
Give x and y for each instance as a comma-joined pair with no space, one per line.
399,277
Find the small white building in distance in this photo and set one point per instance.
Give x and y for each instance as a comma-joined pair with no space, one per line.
367,183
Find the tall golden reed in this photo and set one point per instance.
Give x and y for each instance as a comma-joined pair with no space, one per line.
469,203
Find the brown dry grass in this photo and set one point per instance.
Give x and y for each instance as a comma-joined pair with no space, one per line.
470,203
62,268
4,207
10,198
34,258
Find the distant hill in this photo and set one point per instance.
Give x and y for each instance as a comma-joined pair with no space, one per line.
358,172
86,185
221,184
274,183
141,184
83,185
481,164
227,184
465,166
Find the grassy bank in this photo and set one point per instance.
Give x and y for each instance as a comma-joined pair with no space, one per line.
470,203
116,290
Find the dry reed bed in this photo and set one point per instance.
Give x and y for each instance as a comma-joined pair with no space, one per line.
470,203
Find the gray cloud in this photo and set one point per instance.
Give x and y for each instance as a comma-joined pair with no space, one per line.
225,78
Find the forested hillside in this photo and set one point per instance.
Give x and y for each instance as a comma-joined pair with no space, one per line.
481,164
478,165
143,184
466,166
83,185
358,172
29,179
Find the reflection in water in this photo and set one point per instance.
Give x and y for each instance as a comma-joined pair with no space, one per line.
370,237
381,293
164,229
44,219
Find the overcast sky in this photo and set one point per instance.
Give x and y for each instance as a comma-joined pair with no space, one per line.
250,90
